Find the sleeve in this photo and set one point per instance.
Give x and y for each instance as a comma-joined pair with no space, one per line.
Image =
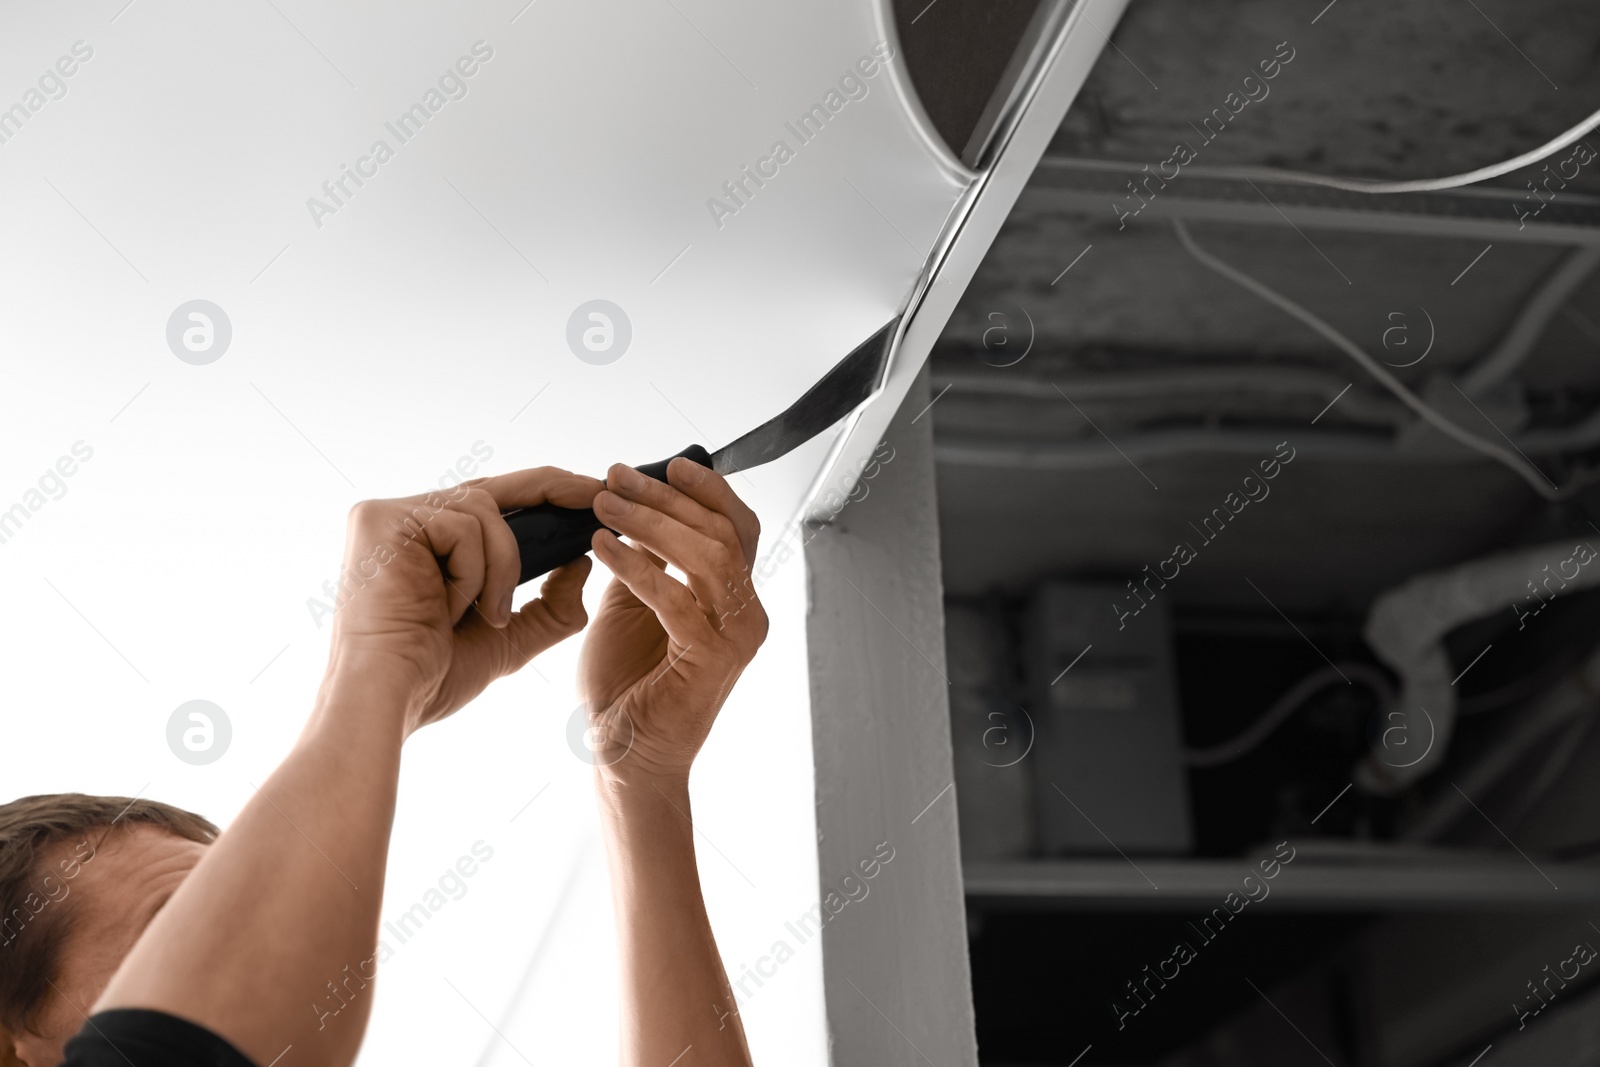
137,1038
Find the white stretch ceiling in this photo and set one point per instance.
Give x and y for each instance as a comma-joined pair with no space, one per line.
385,333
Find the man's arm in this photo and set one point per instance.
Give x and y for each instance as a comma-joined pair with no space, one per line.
674,990
657,665
275,929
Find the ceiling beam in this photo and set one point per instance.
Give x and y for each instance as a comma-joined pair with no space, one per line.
1387,881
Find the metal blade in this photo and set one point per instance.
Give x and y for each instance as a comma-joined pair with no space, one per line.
838,393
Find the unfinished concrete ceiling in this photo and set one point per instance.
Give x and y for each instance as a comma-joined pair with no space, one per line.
1385,92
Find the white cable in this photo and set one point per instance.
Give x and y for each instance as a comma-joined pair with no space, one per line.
1418,185
1513,350
1456,180
1527,471
1291,701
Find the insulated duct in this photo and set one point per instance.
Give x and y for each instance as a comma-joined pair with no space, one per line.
1406,628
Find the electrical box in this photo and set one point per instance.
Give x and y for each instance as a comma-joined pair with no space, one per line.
1109,776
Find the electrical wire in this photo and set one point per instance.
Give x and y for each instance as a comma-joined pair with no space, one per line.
1513,350
1418,185
1185,381
1286,705
1524,469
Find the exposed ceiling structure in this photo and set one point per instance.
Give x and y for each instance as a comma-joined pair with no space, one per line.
1100,391
1120,317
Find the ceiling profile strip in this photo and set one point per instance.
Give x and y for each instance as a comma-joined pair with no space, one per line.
1061,46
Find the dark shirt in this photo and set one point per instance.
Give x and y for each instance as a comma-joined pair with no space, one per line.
135,1038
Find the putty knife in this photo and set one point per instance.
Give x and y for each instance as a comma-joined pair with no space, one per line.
549,536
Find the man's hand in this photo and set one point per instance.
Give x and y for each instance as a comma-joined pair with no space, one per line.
425,600
661,655
271,941
655,669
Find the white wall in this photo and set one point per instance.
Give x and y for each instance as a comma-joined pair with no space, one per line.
899,989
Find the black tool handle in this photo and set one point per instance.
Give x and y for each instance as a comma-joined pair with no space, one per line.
548,536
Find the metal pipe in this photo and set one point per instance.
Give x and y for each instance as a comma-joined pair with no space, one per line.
1093,453
1183,381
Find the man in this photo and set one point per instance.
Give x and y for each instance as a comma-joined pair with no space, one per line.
158,941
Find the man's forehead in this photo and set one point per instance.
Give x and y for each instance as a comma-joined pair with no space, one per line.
77,845
122,874
75,853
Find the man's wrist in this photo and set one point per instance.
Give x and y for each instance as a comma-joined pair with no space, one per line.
375,688
638,798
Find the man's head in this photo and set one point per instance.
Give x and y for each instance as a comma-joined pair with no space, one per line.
80,879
